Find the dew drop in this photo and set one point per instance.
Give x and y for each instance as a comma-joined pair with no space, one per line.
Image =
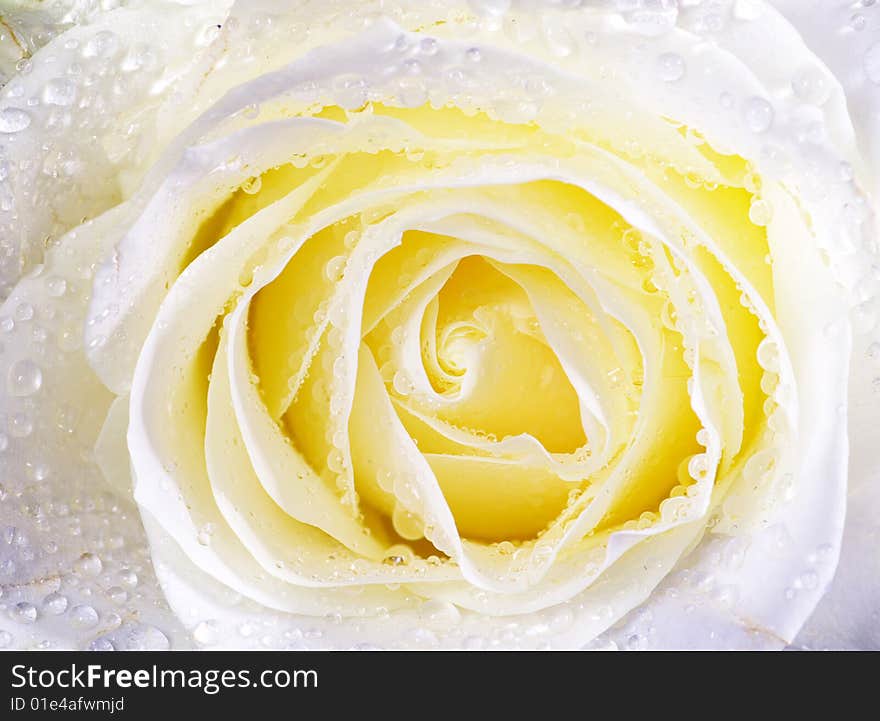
428,46
55,604
205,534
59,91
649,17
24,312
24,612
351,94
407,524
83,616
402,383
13,120
440,613
24,379
21,425
768,356
398,555
56,287
412,93
491,7
758,114
760,212
205,633
698,466
670,67
335,461
104,45
809,579
88,565
117,594
810,85
252,186
634,642
246,630
335,269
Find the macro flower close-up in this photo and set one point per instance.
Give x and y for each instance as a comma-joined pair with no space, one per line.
439,324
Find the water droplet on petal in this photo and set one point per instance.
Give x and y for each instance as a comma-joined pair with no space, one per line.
491,7
24,312
758,114
811,86
407,524
55,604
21,425
760,212
252,186
56,287
83,616
24,612
205,534
117,594
143,637
59,91
670,67
24,379
88,565
12,120
205,633
335,268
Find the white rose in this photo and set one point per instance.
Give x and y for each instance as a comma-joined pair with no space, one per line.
438,324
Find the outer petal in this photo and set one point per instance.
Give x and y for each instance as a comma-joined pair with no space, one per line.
847,39
152,44
75,570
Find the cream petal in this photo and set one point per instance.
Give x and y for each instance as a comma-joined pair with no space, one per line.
282,470
125,300
160,46
111,449
286,548
50,424
239,623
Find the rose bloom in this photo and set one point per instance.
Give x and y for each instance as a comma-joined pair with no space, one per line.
432,324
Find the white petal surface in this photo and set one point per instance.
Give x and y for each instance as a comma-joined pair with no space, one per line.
534,336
